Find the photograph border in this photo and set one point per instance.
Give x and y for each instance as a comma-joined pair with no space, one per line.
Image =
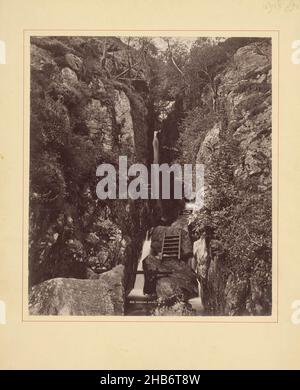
274,35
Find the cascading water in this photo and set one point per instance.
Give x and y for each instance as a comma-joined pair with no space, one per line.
138,302
196,302
137,293
140,279
155,145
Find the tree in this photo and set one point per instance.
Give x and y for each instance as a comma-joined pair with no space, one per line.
176,56
207,58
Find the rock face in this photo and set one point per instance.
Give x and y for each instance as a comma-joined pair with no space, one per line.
209,146
67,296
236,282
98,120
80,118
248,94
124,120
201,258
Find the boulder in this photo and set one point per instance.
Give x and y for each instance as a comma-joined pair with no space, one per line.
69,76
81,297
181,282
73,62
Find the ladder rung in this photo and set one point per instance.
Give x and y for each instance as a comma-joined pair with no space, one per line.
170,255
171,246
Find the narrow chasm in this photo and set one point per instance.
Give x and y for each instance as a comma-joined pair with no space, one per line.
153,100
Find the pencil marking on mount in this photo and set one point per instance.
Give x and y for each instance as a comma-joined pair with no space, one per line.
281,5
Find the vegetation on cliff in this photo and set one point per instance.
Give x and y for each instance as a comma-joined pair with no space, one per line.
227,127
83,113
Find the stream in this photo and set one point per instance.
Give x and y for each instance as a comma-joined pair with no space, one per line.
138,303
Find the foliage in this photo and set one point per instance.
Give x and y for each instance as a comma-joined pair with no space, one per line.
238,200
72,117
239,215
47,180
192,131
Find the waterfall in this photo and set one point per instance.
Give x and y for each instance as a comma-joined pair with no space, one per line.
199,289
196,302
146,249
137,293
155,145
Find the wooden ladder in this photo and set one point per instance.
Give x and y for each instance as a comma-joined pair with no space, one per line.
171,246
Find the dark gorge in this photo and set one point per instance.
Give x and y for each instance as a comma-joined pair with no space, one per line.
201,101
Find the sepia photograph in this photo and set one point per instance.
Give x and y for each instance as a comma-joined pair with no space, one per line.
150,177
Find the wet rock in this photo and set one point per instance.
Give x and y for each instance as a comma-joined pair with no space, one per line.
104,296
